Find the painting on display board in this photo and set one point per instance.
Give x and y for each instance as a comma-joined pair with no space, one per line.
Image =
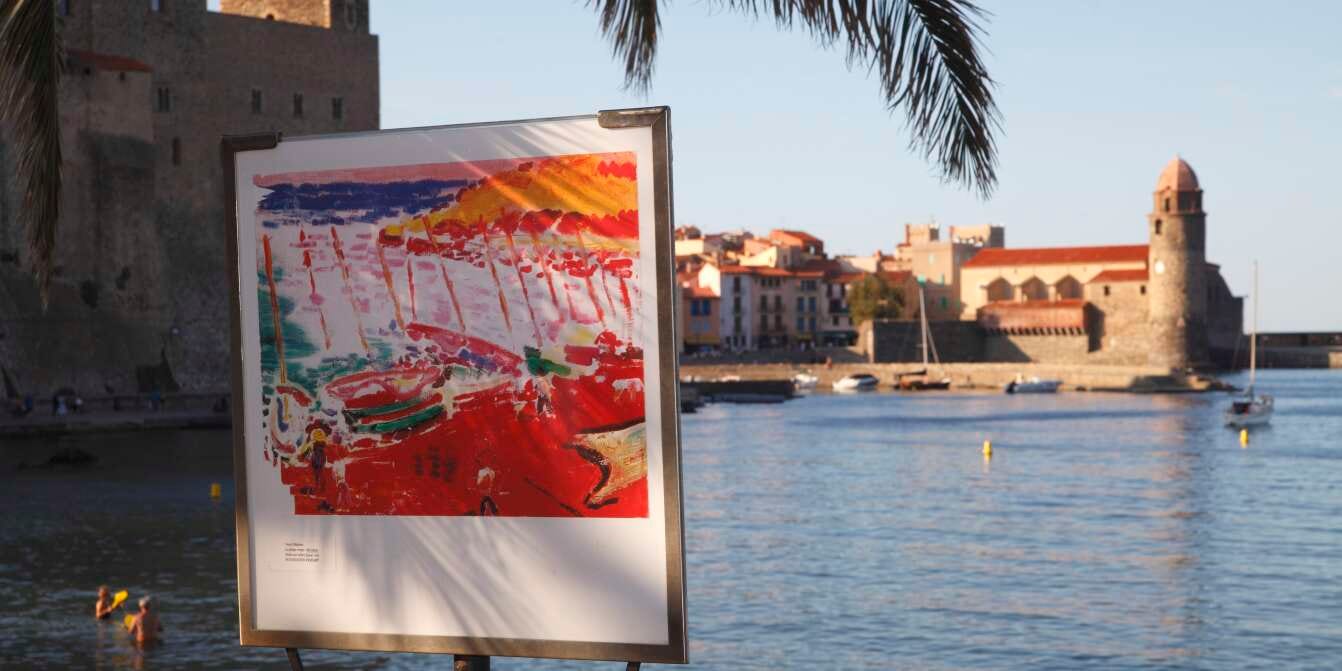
456,365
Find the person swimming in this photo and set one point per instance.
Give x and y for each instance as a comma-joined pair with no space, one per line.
103,606
145,629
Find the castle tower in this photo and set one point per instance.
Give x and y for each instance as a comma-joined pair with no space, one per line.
1177,295
339,15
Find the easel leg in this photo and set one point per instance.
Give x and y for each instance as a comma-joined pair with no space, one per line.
295,662
470,663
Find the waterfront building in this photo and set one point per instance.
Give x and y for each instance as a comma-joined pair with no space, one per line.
1159,303
936,262
139,290
700,323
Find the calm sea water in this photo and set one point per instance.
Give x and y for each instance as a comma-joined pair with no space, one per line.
834,532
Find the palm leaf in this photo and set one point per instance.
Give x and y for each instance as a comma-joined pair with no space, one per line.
30,66
926,53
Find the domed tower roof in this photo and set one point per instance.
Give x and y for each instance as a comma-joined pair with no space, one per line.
1178,176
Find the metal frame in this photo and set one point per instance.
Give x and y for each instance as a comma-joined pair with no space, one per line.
675,651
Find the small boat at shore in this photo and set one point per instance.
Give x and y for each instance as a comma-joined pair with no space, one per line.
856,382
804,381
1032,385
1251,409
920,380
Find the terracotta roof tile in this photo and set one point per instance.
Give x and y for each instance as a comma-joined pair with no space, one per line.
800,235
1121,276
1038,256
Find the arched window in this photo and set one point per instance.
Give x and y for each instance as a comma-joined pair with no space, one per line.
999,290
1167,204
1068,287
1158,224
1034,289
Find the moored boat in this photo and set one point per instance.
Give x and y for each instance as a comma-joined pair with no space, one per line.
804,381
1032,385
856,382
1251,409
921,380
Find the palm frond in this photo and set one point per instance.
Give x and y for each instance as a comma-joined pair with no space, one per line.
30,67
926,53
632,26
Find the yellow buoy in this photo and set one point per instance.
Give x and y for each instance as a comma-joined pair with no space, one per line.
1244,437
215,490
988,449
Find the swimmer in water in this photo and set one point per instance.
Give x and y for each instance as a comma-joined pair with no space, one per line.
103,606
146,627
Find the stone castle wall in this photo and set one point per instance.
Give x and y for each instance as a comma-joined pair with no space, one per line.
139,297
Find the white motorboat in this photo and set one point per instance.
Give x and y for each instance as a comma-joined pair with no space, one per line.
804,381
1032,385
856,382
1251,409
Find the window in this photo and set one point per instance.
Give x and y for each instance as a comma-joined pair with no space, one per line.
351,19
176,151
764,322
736,325
812,324
65,7
337,108
256,101
778,322
298,105
801,324
694,308
164,100
801,304
836,320
736,304
778,302
736,283
1106,289
764,302
1167,204
944,303
155,5
707,309
1142,289
810,304
1157,227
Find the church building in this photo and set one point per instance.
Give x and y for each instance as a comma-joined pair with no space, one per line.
1160,303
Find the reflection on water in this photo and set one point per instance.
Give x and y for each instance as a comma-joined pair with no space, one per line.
857,531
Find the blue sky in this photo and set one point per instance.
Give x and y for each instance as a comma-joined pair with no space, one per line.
771,131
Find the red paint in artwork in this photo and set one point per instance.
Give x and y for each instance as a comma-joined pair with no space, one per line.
512,448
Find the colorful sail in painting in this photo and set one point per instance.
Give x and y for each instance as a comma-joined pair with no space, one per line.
455,339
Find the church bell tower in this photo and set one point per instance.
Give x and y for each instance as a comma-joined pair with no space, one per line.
1177,296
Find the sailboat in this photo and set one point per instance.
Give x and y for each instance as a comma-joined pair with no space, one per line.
1251,409
919,380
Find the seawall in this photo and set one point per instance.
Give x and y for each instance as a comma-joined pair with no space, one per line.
1140,379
